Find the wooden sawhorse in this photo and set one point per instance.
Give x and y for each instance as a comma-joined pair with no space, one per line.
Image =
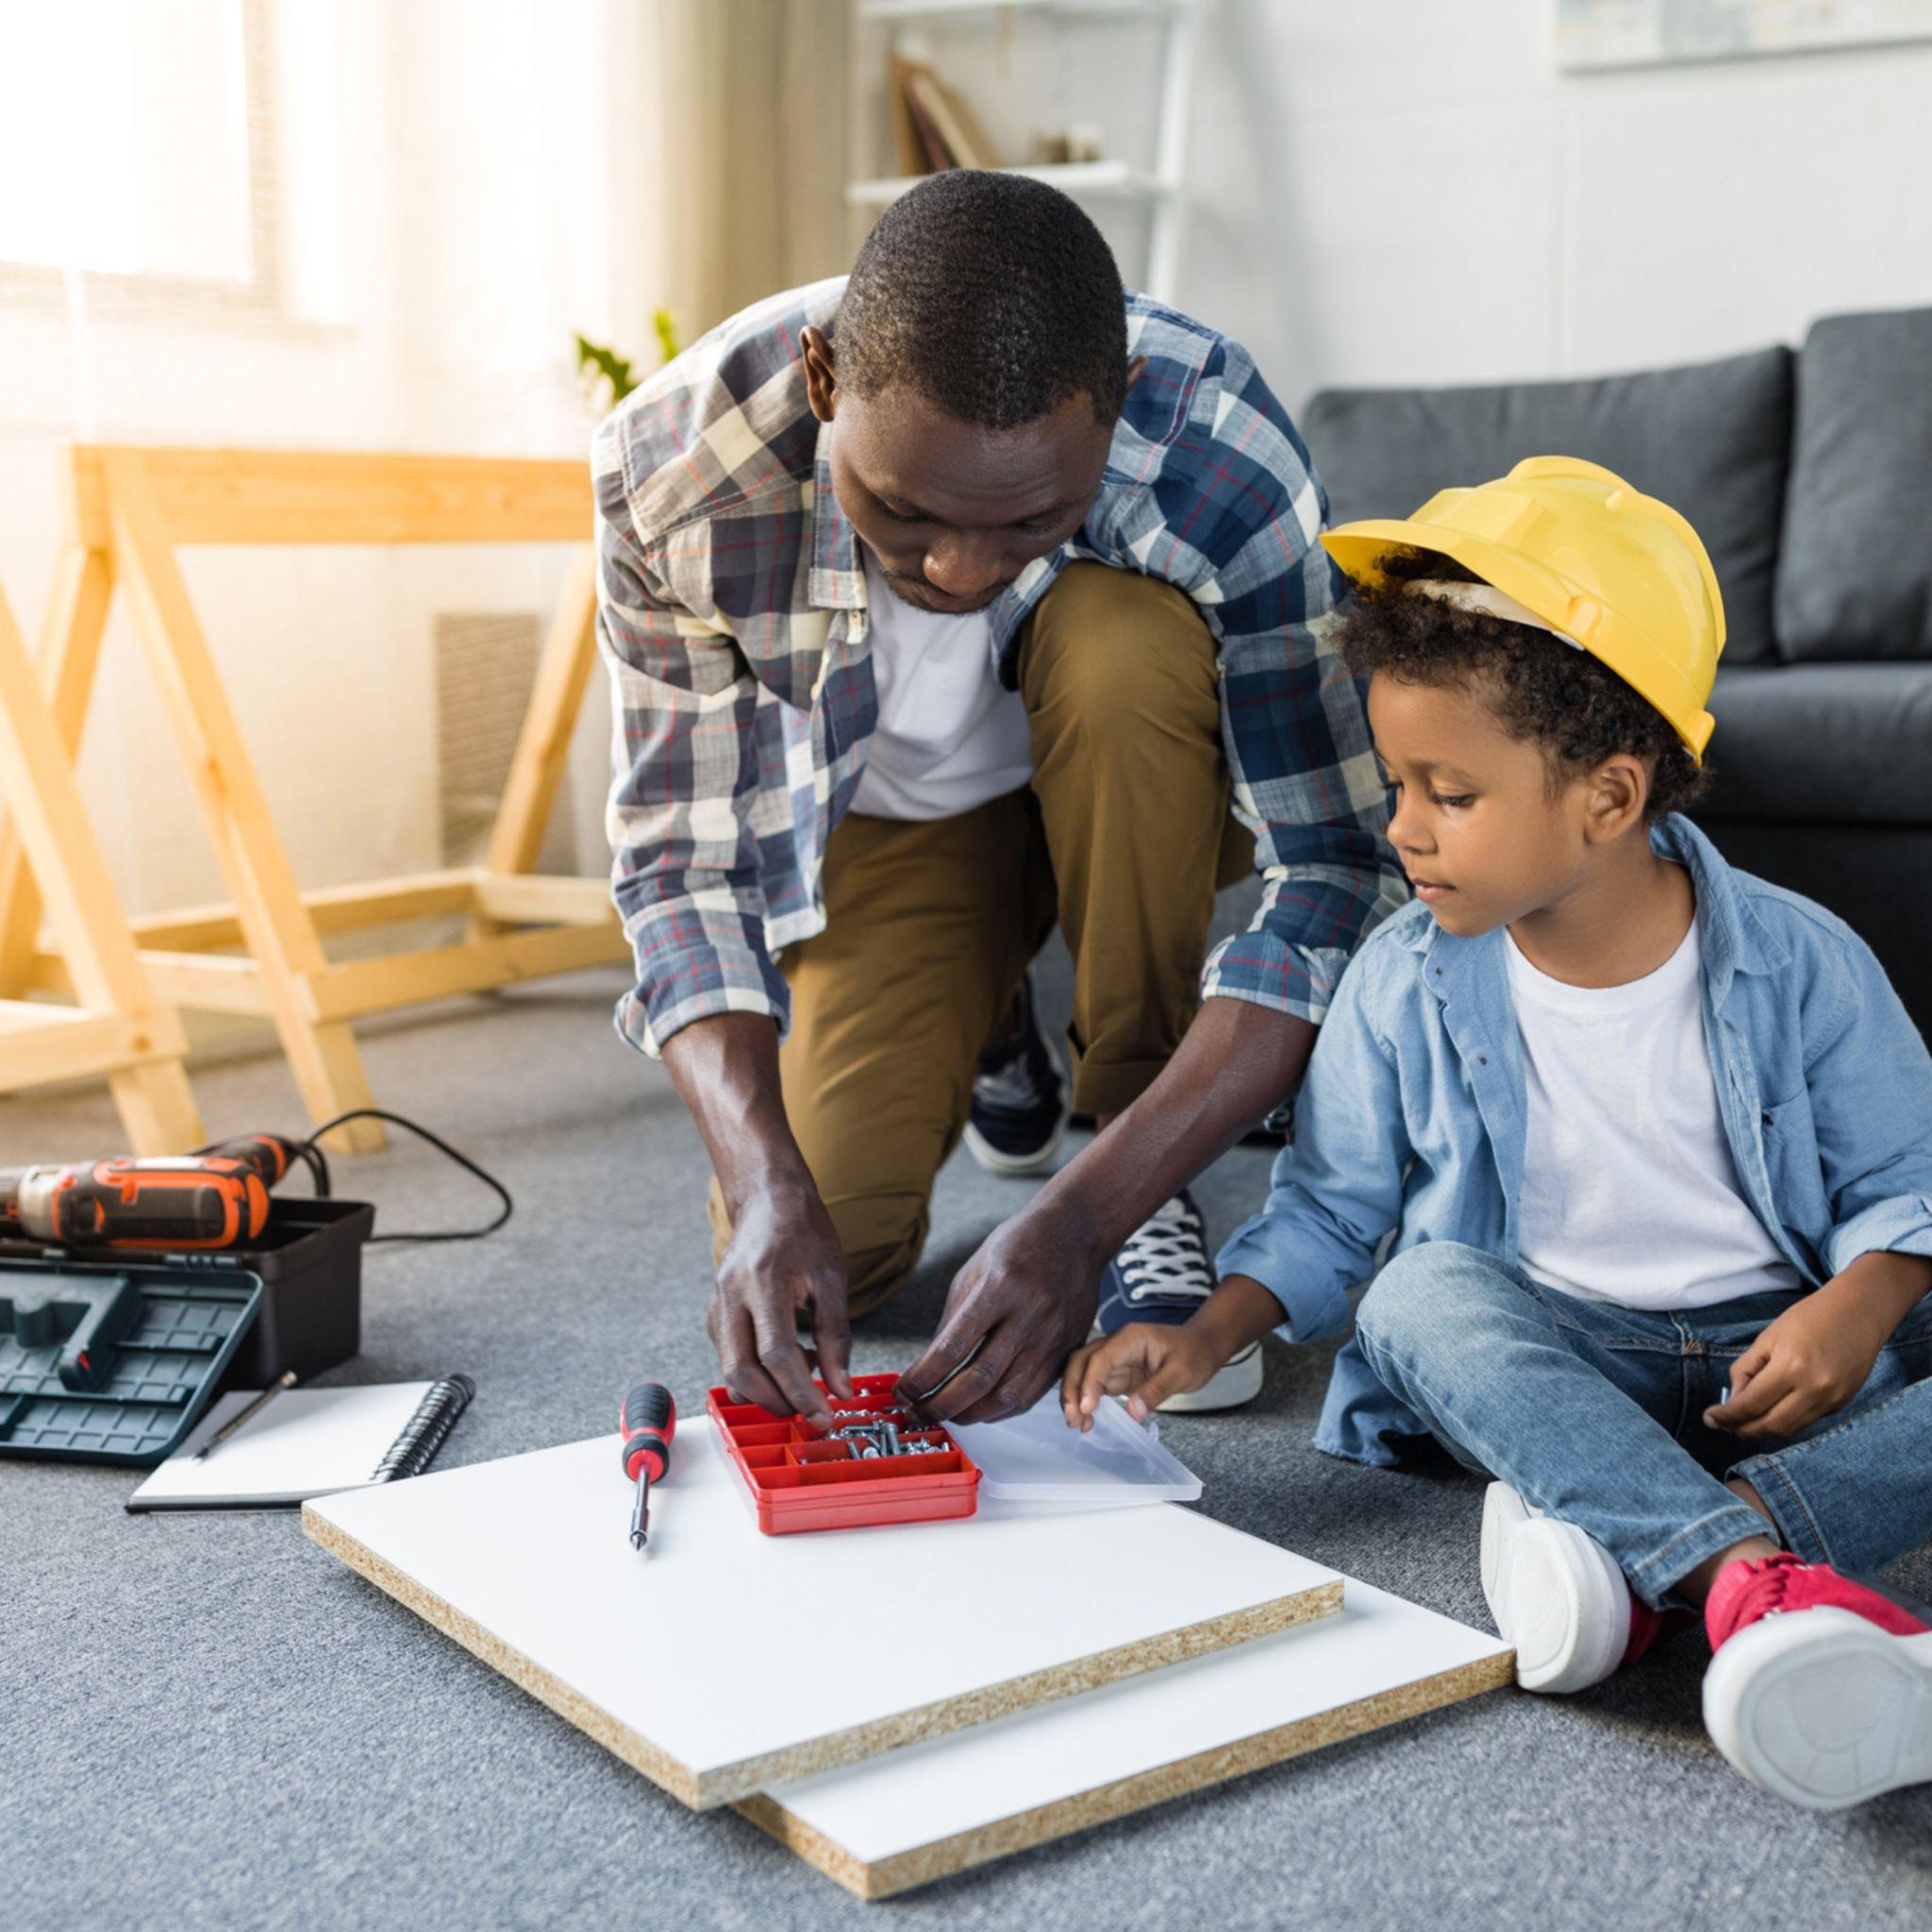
118,1027
127,511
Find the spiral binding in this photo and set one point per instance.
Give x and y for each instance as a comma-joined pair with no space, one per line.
426,1432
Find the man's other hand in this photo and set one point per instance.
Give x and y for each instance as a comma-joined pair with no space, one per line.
1013,1314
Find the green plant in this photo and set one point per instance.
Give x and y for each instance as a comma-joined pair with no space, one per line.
608,377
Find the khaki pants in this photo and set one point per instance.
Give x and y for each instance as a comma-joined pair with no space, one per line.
1121,839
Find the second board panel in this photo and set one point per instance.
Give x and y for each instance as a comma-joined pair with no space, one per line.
700,1660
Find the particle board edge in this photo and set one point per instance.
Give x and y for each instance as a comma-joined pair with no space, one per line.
568,1703
706,1790
1041,1823
834,1750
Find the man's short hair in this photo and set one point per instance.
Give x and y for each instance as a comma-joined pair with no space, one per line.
992,295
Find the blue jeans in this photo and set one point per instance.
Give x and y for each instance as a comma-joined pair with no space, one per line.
1594,1414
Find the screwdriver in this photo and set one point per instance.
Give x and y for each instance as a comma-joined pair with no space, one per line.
647,1419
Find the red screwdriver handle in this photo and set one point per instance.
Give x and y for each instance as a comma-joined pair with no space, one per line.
647,1419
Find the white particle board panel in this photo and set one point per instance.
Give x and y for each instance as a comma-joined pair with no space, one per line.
691,1660
959,1801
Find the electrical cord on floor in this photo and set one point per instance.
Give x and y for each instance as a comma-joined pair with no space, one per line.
309,1153
315,1156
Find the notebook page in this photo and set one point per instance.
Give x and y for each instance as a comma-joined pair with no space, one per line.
305,1442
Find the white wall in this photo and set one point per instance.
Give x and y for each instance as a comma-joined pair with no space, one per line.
1401,190
1409,190
461,198
1385,191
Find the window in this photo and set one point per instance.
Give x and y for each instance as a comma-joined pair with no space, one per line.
133,148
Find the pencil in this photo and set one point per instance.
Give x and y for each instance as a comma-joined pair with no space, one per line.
254,1407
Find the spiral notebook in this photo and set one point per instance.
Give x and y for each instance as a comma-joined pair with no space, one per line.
308,1443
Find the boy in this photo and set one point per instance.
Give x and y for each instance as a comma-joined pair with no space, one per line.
1653,1139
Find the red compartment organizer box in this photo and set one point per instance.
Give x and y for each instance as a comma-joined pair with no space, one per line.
800,1480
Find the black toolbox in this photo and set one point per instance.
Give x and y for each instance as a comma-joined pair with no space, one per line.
113,1358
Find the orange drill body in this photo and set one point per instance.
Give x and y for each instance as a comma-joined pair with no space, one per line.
191,1201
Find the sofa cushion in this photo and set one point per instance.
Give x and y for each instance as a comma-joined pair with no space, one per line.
1711,440
1854,580
1865,873
1845,743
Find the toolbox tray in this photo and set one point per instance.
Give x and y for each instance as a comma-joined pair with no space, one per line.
798,1480
159,1375
223,1318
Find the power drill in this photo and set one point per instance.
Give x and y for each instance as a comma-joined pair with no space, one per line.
215,1199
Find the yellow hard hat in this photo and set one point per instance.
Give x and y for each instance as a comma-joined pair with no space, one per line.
1616,572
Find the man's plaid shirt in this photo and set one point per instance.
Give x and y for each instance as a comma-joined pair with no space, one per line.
732,612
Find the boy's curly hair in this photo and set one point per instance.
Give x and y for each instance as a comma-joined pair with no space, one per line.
1577,709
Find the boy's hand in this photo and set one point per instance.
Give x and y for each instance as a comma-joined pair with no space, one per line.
1818,1353
1146,1361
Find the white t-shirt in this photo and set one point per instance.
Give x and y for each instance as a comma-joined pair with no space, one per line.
1629,1192
950,736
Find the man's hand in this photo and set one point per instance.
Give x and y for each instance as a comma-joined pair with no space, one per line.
784,1266
1146,1361
1014,1311
1027,1297
784,1262
1818,1353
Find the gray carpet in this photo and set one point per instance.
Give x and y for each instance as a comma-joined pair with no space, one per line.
206,1722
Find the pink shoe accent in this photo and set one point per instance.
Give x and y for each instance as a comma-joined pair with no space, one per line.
1747,1590
1649,1627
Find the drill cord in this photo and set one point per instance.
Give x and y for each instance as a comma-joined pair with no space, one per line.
309,1153
441,1146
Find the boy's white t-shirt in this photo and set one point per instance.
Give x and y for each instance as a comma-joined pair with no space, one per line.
950,734
1629,1192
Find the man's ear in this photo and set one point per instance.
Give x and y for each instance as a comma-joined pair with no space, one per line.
1618,790
821,378
1136,369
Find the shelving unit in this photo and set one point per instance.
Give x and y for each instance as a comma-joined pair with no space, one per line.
1161,190
1084,9
1071,178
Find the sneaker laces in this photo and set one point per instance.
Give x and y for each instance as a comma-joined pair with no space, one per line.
1011,1084
1165,1256
1767,1583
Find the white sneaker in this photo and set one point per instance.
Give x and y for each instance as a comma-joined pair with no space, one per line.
1558,1599
1822,1709
1238,1380
1821,1688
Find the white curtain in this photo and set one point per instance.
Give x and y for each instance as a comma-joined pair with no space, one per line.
743,157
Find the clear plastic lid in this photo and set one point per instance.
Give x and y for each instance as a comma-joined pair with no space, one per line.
1036,1457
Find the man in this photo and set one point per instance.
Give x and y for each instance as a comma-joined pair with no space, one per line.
945,603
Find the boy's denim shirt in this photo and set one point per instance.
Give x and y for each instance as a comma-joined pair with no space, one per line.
1410,1117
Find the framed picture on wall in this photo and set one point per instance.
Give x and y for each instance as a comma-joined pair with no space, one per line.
1649,33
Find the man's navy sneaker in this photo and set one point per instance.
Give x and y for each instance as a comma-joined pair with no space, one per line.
1020,1101
1164,1273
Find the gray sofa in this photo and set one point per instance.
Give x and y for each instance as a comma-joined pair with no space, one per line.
1808,474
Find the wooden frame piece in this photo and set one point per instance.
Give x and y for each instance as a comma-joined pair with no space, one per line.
128,511
118,1027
